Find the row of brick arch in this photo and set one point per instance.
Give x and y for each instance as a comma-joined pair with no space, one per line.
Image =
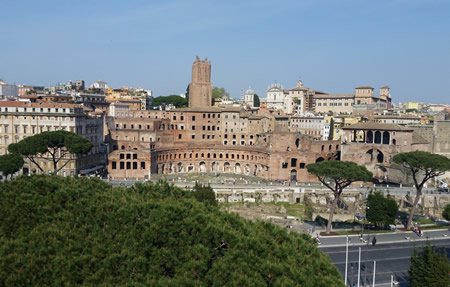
170,156
213,167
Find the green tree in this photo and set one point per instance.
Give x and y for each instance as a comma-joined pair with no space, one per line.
175,100
54,146
80,231
10,164
220,93
337,175
331,135
204,194
381,210
256,101
429,268
422,166
446,212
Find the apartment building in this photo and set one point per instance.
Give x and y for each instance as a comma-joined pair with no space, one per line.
19,120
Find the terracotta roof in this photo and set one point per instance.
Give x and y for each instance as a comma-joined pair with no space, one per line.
384,87
14,104
210,109
397,117
376,126
364,87
38,105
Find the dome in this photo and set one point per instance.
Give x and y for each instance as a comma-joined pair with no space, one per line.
249,92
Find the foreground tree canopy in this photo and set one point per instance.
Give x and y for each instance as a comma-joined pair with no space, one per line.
430,268
423,166
337,175
55,145
70,231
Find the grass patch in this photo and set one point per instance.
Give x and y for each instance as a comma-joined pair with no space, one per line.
424,221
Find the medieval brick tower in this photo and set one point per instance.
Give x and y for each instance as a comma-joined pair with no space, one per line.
200,89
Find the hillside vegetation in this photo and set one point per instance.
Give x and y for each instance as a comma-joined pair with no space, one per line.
80,231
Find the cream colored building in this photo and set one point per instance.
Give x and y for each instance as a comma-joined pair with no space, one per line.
336,103
19,120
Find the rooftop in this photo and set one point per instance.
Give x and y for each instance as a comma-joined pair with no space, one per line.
377,126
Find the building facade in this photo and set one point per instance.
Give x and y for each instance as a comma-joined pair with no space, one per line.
19,120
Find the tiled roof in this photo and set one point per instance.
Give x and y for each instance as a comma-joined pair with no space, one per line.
20,104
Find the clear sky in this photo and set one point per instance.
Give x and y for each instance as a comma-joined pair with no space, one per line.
331,45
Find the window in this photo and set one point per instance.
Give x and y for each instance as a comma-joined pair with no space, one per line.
134,156
134,165
302,165
114,165
193,137
193,118
284,165
179,136
128,156
193,128
142,164
122,165
122,156
128,165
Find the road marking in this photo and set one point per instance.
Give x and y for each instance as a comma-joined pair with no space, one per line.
385,259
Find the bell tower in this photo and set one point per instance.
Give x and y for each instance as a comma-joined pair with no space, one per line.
200,89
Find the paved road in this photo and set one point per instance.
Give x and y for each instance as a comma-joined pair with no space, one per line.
384,238
391,258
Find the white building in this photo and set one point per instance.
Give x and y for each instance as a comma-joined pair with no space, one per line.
19,120
275,97
249,98
294,102
8,91
100,85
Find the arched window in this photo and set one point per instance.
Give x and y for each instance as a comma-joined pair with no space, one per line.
386,138
369,137
378,137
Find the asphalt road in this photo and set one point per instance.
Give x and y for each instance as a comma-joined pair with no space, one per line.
391,259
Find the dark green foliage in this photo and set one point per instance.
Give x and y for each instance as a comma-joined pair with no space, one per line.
219,93
175,100
446,212
10,164
80,231
381,210
429,268
204,194
331,134
54,144
256,101
337,175
422,166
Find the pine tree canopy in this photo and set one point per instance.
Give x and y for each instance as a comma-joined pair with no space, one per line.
81,231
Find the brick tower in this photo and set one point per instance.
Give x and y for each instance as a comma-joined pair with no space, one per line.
200,89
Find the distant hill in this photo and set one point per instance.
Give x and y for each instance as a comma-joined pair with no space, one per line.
81,231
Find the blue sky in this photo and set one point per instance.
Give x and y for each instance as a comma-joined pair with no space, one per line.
331,45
